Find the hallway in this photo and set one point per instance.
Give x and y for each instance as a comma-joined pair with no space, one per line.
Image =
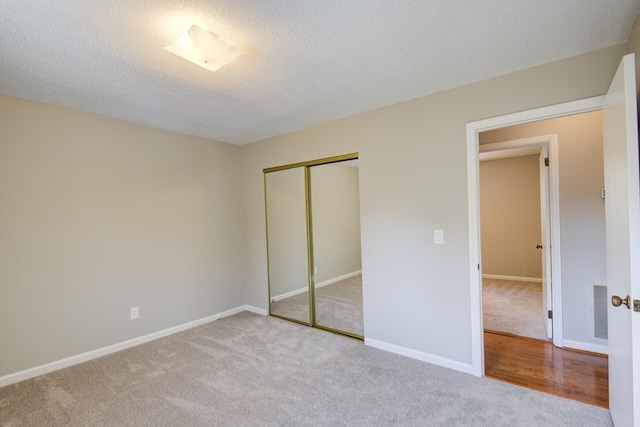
538,365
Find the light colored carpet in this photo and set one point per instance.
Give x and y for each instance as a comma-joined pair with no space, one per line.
295,307
338,306
250,370
514,307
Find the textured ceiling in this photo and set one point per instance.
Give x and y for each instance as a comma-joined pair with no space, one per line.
306,62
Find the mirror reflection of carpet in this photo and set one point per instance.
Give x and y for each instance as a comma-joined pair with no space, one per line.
338,305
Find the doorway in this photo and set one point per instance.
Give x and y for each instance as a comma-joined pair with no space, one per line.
578,204
495,125
516,211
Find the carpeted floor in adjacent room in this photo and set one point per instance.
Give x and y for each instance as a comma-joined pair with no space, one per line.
514,307
250,370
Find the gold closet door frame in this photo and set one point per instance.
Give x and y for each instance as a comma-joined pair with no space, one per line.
309,221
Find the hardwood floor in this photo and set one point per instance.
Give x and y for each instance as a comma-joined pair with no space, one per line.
538,365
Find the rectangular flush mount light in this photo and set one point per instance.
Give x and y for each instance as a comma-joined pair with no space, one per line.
203,48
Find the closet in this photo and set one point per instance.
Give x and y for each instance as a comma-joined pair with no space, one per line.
313,243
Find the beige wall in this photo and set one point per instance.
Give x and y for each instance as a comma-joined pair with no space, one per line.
413,179
510,216
335,195
582,232
99,215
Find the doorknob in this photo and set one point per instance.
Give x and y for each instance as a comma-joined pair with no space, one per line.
617,301
538,246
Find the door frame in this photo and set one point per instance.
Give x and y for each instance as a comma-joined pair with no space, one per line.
551,220
475,271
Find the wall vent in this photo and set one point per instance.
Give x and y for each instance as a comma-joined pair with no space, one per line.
600,323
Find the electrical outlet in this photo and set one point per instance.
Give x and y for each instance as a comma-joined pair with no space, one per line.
135,313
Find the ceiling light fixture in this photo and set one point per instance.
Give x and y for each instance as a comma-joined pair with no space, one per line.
203,48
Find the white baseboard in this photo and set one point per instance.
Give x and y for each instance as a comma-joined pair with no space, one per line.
425,357
255,310
586,346
289,294
318,285
339,278
518,278
94,354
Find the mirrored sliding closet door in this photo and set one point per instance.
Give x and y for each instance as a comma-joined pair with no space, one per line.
313,243
287,244
335,196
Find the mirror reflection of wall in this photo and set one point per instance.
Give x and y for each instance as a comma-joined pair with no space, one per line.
287,243
316,202
335,194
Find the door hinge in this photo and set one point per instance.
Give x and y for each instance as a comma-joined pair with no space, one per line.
546,161
550,314
478,267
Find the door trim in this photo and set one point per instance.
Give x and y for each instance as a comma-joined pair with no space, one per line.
475,273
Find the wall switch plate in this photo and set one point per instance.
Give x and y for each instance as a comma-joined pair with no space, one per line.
135,313
438,237
315,269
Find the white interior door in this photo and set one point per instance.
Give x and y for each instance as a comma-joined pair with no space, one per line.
545,239
622,207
